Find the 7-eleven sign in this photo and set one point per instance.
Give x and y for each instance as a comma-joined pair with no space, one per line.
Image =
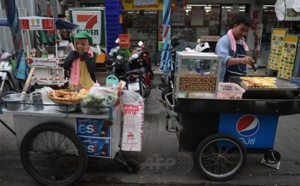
89,21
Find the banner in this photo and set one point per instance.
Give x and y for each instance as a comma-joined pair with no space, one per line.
277,41
287,62
152,4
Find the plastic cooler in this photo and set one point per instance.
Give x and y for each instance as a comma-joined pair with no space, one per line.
230,91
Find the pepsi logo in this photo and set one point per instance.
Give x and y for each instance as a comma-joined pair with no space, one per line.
247,125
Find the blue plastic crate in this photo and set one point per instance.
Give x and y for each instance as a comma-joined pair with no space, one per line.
112,19
111,27
113,7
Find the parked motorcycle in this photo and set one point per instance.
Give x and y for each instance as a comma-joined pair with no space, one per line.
146,55
117,65
7,80
137,62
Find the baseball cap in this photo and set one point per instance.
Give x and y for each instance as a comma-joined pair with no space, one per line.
84,34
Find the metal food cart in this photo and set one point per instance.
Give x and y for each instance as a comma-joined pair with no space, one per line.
220,132
55,142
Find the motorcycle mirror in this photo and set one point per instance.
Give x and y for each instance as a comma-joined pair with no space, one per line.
119,57
117,40
135,55
199,40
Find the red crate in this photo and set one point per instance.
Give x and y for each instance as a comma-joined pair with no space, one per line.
124,45
124,38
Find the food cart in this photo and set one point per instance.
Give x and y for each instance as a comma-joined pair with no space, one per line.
220,132
56,139
48,68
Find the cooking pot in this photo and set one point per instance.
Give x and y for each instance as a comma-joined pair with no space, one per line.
17,101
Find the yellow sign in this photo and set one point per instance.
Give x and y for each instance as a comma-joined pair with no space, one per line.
287,62
277,41
130,5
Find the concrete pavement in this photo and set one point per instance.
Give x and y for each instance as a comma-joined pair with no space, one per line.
160,161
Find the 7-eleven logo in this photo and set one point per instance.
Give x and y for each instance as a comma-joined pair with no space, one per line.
90,20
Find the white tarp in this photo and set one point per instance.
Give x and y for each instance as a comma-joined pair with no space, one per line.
287,10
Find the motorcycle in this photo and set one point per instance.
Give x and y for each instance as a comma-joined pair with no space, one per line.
146,55
117,65
137,62
7,80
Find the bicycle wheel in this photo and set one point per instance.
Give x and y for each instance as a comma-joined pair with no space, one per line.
220,157
52,154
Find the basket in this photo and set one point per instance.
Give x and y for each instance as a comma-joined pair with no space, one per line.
100,58
65,101
230,91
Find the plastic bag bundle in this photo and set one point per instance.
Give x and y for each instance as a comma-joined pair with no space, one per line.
133,121
98,99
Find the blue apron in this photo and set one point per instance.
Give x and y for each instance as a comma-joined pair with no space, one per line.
239,69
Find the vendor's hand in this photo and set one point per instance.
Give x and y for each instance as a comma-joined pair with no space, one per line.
86,46
247,60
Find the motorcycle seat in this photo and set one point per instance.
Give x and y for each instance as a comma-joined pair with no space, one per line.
134,72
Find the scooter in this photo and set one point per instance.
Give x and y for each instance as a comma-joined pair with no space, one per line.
117,65
7,80
146,55
137,62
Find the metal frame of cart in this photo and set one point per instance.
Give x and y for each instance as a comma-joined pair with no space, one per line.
221,132
52,152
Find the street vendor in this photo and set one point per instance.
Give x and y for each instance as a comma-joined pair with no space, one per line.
233,49
82,62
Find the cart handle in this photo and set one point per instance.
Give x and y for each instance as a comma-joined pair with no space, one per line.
167,101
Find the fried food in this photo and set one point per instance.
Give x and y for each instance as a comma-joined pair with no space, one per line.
260,82
67,95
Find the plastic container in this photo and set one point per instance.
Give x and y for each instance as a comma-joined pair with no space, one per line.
230,91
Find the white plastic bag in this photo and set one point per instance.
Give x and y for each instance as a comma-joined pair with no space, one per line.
129,97
98,97
133,121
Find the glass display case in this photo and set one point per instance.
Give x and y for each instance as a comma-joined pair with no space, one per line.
196,75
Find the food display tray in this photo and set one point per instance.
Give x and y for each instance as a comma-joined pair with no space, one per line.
285,90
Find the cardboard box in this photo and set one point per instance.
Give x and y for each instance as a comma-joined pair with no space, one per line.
97,147
92,127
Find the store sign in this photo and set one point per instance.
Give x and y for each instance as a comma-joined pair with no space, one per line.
209,38
152,4
35,23
89,21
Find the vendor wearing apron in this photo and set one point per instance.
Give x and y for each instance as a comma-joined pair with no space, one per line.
82,62
232,47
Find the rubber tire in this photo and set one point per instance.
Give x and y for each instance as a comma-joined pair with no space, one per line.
272,157
132,166
211,139
64,131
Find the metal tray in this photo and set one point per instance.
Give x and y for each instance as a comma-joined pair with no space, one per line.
284,90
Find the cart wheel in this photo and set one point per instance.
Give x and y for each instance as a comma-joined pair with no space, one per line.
272,157
53,155
220,157
132,166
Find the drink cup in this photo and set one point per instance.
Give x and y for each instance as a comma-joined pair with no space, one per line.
37,100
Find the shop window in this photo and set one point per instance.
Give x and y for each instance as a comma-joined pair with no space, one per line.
142,26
